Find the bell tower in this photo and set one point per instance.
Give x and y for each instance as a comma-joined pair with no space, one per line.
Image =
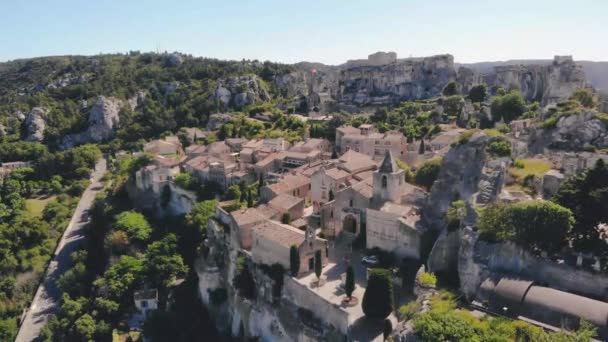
388,181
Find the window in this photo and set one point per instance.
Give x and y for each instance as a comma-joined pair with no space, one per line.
331,214
350,203
144,304
384,181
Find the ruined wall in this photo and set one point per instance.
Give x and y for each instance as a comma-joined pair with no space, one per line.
479,259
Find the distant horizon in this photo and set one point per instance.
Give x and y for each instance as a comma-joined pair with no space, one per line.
305,61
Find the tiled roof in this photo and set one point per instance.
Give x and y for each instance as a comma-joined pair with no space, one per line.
282,234
365,188
248,216
352,161
284,202
289,182
348,130
337,174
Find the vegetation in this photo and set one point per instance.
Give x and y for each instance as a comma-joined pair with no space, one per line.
349,285
427,279
450,89
428,173
454,215
499,148
536,225
444,322
243,279
478,93
508,107
294,260
408,311
584,97
524,167
318,264
586,196
378,300
134,224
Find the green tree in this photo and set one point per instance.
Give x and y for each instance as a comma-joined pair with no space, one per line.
378,298
586,195
200,214
478,93
84,328
163,262
450,89
243,279
249,198
421,149
536,225
294,260
234,193
135,224
286,218
500,148
349,285
508,107
318,264
428,173
387,328
122,278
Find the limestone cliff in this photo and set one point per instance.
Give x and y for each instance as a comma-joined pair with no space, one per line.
266,317
573,132
103,120
35,124
240,91
546,84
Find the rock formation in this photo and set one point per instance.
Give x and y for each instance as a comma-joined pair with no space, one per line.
136,99
35,124
240,91
103,120
573,132
546,84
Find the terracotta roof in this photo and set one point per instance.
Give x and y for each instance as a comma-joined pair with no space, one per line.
365,188
289,182
348,130
284,202
337,174
248,216
283,234
353,162
197,163
270,159
196,149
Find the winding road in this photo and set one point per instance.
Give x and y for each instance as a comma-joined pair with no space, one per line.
47,297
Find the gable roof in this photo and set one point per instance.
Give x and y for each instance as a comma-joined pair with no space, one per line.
282,234
354,162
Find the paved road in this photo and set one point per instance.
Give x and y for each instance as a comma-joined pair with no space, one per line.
47,295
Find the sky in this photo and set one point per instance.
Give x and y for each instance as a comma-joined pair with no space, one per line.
329,31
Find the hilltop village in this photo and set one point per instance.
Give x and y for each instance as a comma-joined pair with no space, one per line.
381,199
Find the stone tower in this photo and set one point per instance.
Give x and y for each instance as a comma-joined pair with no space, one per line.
389,180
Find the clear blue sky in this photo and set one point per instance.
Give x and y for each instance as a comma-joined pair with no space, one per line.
329,31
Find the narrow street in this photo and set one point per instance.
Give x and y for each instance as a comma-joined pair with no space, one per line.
47,295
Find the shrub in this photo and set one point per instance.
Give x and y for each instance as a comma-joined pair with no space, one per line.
450,89
428,173
294,260
478,93
135,224
408,311
584,97
349,285
550,122
427,279
500,148
508,107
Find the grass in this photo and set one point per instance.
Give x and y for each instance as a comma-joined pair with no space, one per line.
35,206
525,167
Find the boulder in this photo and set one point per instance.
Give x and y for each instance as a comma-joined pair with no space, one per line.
35,124
574,132
103,120
552,179
136,99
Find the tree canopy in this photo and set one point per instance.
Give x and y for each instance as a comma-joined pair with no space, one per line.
378,300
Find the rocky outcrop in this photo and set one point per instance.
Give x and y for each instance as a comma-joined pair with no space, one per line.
552,179
240,91
572,132
546,84
491,181
103,120
406,79
174,60
217,120
35,124
137,99
462,169
479,260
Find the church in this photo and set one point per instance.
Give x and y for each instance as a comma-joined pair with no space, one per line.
383,206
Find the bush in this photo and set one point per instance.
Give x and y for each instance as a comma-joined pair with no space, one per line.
450,89
294,260
135,224
500,148
427,279
584,97
408,311
508,107
478,93
550,122
428,173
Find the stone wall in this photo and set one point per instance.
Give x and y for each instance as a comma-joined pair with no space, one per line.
479,259
303,297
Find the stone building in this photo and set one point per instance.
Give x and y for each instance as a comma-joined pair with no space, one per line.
167,146
383,205
146,301
365,140
294,184
273,240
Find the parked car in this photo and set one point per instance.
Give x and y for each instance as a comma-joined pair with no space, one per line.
370,260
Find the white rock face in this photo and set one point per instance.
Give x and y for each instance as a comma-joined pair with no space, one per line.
137,99
35,124
573,132
240,91
103,120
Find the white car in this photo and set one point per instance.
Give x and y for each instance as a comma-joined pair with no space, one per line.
370,260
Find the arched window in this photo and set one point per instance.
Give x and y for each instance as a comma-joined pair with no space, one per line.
350,203
384,182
